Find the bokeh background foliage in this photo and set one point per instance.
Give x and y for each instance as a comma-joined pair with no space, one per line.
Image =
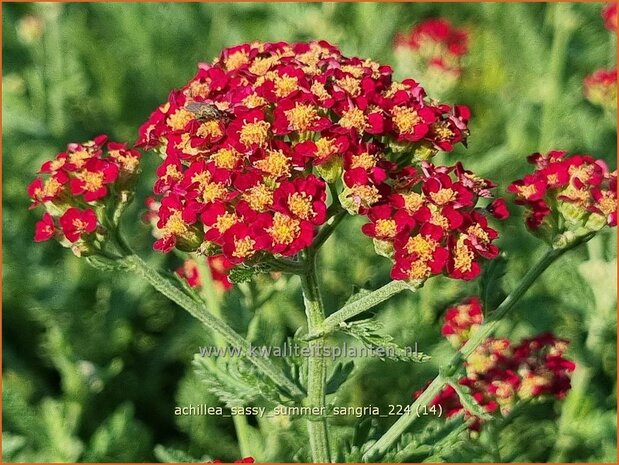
94,362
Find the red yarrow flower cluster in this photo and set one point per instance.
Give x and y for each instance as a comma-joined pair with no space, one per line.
462,320
499,373
567,193
600,88
427,221
75,183
219,267
609,13
251,142
433,48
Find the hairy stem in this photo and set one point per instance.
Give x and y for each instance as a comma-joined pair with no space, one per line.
379,448
209,294
212,322
316,368
361,305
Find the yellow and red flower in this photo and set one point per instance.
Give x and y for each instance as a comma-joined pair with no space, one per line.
76,223
578,189
600,88
281,122
499,372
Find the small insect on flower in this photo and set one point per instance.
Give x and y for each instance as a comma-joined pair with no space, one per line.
207,111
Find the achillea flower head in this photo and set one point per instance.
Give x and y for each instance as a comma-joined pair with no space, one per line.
77,185
433,50
500,373
609,13
252,141
427,220
462,320
567,196
600,88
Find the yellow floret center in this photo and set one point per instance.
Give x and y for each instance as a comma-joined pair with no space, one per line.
236,60
259,197
92,180
254,100
325,147
367,194
421,246
50,188
226,158
412,201
477,231
442,196
285,229
175,225
276,163
79,157
418,270
225,222
255,133
463,256
128,162
386,227
319,90
284,85
442,131
301,117
179,119
350,85
209,129
363,160
300,204
527,191
243,247
607,203
353,118
405,119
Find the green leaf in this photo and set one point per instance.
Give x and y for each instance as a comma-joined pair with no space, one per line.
431,439
368,332
491,290
107,264
236,383
120,438
339,376
172,455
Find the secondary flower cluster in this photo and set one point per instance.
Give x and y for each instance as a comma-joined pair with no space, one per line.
250,143
219,266
434,49
600,88
462,320
75,183
500,372
427,221
575,193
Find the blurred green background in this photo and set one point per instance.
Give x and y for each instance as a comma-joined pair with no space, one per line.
94,362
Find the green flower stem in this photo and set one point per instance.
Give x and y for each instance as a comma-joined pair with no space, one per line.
328,228
316,365
379,448
211,321
334,320
209,293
